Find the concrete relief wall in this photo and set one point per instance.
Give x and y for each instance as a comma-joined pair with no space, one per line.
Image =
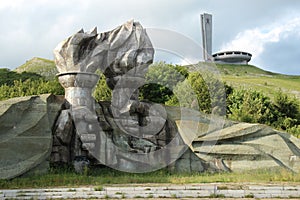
126,134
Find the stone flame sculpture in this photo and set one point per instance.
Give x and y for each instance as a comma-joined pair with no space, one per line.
114,53
125,134
123,55
77,65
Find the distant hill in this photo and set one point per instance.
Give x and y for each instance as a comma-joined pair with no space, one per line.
258,79
252,77
235,70
39,66
238,76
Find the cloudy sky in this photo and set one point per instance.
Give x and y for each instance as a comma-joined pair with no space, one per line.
269,29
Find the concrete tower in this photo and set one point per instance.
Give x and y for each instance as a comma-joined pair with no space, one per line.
206,25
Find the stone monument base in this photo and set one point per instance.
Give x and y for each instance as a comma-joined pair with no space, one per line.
39,130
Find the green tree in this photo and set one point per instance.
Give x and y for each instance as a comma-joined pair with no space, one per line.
286,105
287,111
8,77
201,91
30,87
161,80
295,130
250,106
102,92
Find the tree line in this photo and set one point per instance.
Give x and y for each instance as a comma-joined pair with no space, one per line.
176,86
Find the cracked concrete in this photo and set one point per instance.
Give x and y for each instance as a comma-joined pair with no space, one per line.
157,191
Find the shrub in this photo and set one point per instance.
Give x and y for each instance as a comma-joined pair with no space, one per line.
102,92
201,91
161,80
250,106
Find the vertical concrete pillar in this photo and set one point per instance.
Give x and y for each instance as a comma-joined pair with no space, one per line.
206,27
78,88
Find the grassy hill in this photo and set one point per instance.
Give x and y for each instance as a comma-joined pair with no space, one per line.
39,66
252,77
264,81
238,76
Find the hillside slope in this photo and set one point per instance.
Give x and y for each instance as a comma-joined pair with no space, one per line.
252,77
39,66
237,76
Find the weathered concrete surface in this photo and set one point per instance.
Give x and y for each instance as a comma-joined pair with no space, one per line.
114,52
123,55
245,146
25,134
26,140
235,147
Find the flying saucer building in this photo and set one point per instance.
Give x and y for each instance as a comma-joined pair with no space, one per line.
227,57
232,57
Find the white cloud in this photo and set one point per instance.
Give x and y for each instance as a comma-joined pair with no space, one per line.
255,40
34,27
188,61
10,4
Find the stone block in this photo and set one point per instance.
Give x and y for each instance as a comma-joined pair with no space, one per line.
25,136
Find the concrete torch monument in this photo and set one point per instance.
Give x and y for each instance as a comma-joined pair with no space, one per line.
126,134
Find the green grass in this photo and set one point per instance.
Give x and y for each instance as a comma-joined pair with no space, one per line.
252,77
241,70
99,188
217,196
249,196
150,196
231,69
268,85
106,176
39,66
